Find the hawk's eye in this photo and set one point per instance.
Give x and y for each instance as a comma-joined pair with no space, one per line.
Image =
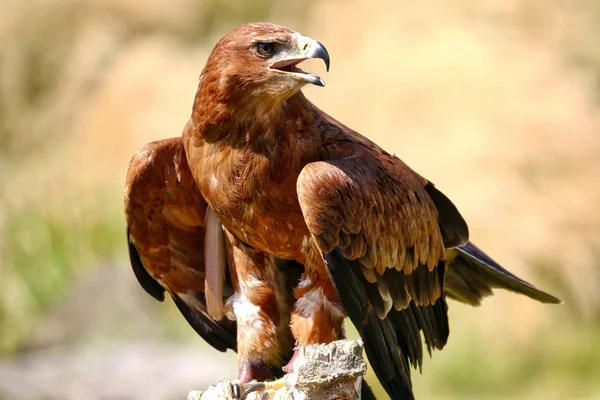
265,49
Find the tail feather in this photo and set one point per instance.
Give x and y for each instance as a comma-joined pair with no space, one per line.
472,275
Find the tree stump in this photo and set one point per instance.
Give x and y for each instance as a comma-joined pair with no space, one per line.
331,371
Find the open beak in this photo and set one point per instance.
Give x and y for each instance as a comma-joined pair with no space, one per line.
307,48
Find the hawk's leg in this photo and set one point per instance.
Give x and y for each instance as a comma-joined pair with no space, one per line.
262,308
317,316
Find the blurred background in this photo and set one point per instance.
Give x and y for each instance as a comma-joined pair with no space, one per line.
497,102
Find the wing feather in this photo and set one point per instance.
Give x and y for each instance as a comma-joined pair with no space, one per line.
165,219
150,285
452,225
349,204
379,233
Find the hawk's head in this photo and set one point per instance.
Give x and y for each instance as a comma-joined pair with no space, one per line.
260,61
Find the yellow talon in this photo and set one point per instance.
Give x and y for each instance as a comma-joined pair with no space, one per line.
275,385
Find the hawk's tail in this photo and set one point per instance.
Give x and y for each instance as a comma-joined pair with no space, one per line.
472,274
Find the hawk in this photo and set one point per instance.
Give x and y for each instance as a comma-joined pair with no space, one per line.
318,222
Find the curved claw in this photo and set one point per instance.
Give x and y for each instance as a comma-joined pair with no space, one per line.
264,396
254,387
236,390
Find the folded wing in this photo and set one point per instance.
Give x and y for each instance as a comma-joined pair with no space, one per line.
383,241
165,217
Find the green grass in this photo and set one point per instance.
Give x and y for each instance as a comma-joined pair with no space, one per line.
44,251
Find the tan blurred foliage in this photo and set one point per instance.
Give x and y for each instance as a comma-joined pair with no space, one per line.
494,101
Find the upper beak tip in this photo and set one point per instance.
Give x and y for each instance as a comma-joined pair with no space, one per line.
324,55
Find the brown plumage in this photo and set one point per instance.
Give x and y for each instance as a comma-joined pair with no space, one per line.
167,222
288,182
165,218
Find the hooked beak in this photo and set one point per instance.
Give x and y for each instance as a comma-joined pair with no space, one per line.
306,48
